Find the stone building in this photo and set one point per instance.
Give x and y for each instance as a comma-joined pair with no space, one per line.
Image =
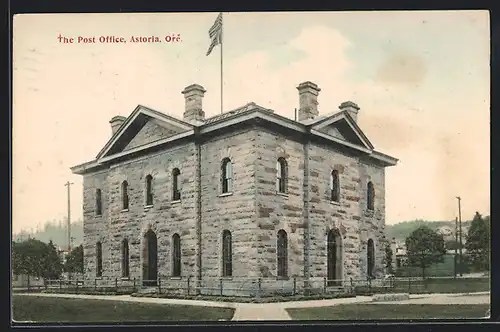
239,196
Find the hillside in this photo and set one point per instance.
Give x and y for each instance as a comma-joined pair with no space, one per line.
56,232
401,230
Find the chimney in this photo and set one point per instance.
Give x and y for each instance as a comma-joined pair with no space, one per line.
308,100
352,108
116,122
193,95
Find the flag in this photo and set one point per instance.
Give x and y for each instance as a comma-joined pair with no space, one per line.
215,33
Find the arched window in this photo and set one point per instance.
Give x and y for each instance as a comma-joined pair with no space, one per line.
334,257
227,254
98,255
370,193
149,190
370,251
334,186
281,175
125,195
176,255
98,202
125,259
227,175
282,254
176,184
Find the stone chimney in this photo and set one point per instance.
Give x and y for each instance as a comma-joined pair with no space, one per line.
193,95
308,100
116,122
352,108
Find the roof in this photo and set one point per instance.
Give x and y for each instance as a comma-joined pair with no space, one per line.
111,149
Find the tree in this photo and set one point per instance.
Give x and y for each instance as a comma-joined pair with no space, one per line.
478,243
74,260
388,258
52,263
35,258
424,247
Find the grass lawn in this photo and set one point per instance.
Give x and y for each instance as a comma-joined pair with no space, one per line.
466,285
389,311
52,309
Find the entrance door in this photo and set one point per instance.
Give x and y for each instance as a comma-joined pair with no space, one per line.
150,259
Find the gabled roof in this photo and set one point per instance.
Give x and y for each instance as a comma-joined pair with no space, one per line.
139,111
114,148
343,116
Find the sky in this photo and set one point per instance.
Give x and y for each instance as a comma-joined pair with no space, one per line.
421,79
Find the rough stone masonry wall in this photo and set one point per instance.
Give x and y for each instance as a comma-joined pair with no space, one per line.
372,222
165,217
325,215
277,211
234,212
95,226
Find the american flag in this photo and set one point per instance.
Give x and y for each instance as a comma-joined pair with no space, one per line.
215,33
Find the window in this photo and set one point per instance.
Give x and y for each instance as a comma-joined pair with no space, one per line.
334,186
227,176
176,255
370,196
98,254
227,255
98,202
176,184
281,174
125,259
125,195
282,254
334,257
149,190
370,251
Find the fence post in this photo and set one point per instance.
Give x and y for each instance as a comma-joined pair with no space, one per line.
116,284
259,287
324,284
159,285
76,285
409,284
60,284
134,284
189,284
95,284
45,283
220,286
28,284
294,285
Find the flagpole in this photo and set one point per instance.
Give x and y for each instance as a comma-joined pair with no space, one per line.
221,65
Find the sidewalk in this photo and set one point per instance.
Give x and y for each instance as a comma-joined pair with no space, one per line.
277,311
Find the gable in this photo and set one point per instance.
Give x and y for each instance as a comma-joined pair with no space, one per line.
153,130
142,128
332,131
342,126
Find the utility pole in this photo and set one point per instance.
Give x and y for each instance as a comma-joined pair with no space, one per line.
456,244
68,184
460,231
